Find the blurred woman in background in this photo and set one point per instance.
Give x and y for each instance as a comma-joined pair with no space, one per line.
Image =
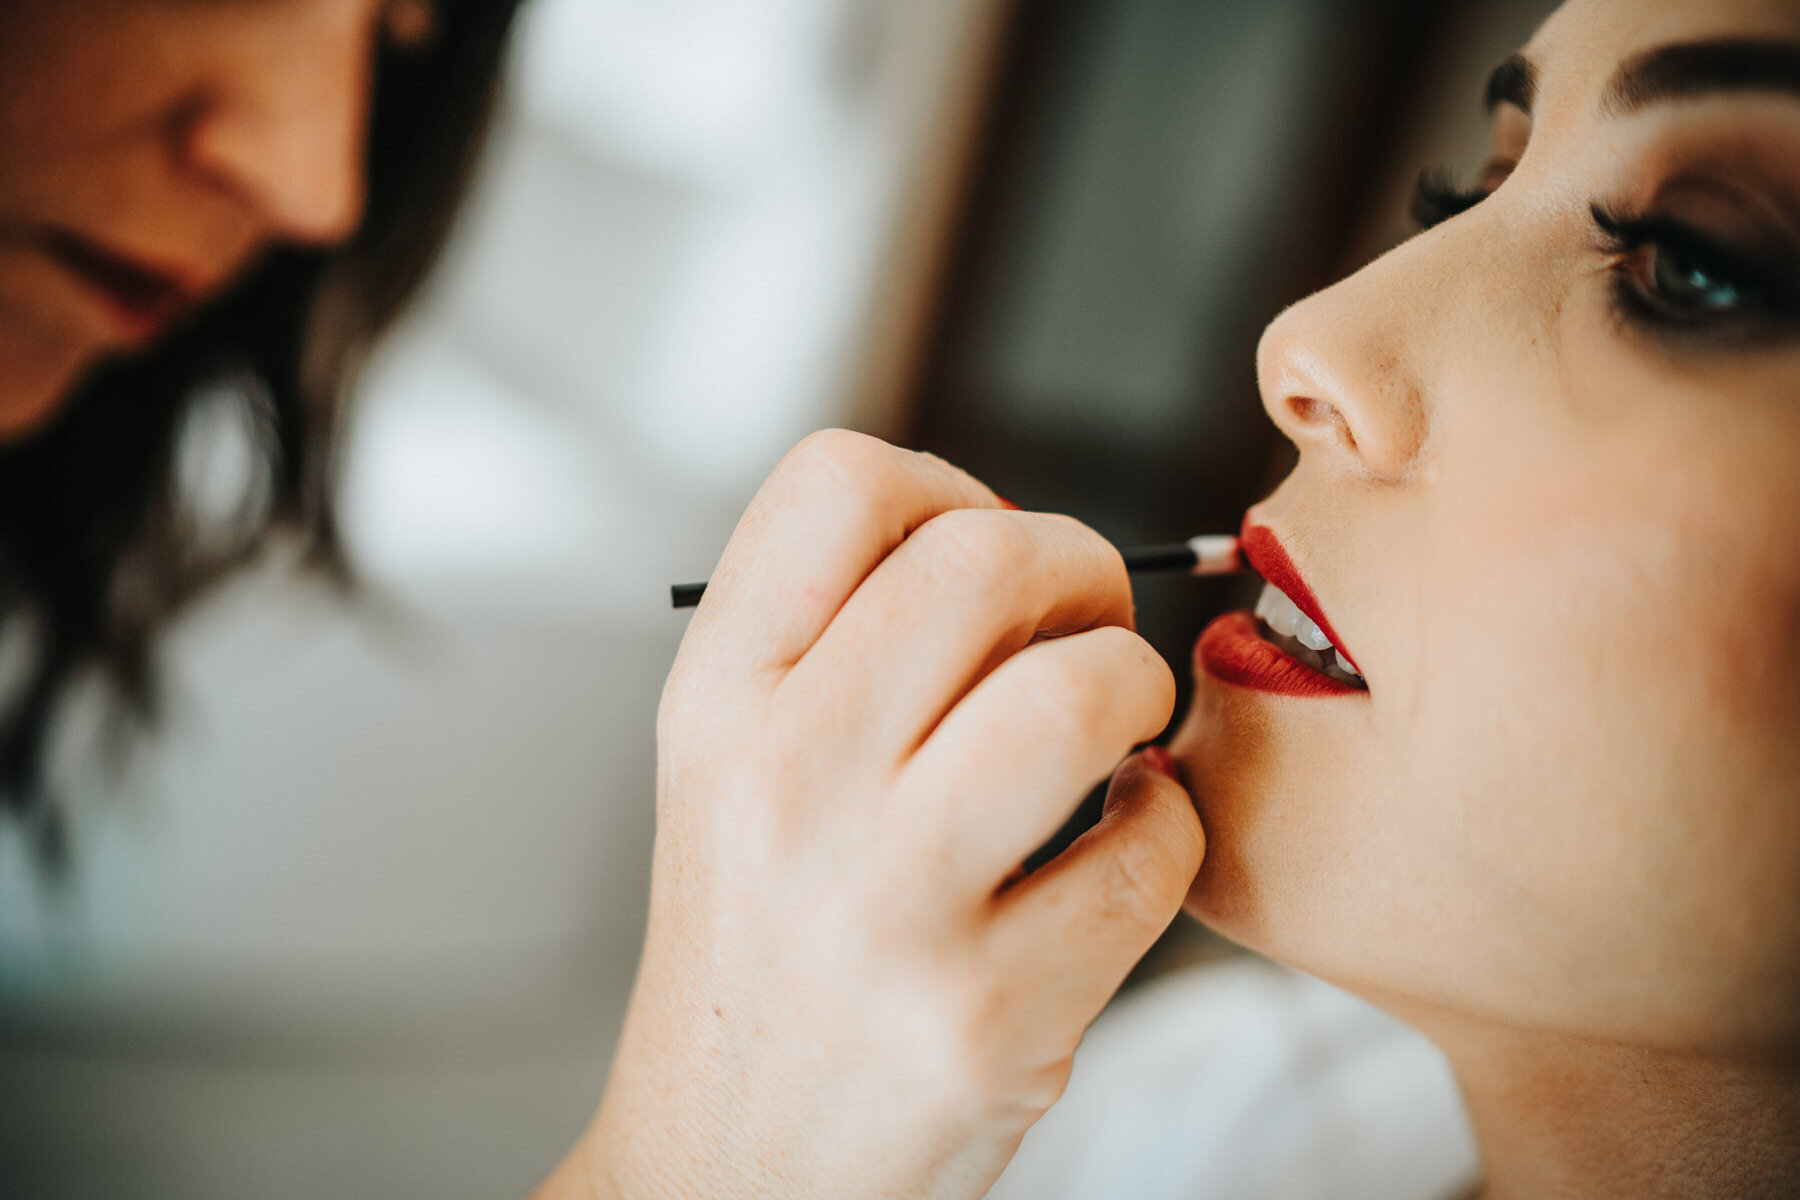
199,203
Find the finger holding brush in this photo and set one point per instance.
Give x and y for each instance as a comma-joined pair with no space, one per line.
1209,554
896,690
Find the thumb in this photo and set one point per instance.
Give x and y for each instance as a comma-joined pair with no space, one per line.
1150,814
1106,899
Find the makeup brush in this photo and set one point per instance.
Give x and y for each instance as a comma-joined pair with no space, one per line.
1210,554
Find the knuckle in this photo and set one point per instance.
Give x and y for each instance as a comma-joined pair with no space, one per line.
1043,1087
842,464
1100,559
832,450
956,481
974,1061
978,550
1084,538
986,1067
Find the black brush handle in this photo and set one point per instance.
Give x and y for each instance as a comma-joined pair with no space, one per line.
1177,556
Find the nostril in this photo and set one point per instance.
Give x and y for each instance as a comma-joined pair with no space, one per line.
1321,416
1313,412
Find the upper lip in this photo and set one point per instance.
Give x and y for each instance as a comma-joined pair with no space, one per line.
1267,558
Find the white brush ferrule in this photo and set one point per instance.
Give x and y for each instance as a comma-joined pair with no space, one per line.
1216,554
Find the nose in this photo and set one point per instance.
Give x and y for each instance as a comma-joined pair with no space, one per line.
1341,371
282,124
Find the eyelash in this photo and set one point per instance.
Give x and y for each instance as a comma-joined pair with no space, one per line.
1770,306
1437,198
1767,306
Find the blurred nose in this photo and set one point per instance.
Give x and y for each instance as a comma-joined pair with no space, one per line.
1341,370
283,126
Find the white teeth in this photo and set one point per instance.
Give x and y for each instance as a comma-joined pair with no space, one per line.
1311,636
1284,617
1266,603
1281,614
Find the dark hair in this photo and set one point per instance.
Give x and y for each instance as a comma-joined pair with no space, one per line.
99,547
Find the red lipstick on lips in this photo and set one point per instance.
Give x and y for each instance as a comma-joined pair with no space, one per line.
1232,651
1268,559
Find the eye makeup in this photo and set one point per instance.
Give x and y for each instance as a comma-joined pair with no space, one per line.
1701,265
1436,198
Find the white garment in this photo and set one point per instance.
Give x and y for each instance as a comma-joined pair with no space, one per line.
1248,1081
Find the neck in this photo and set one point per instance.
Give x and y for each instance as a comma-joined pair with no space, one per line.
1561,1117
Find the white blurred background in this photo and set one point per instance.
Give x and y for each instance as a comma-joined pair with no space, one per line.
360,918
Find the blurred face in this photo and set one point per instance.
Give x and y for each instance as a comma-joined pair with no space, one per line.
1548,506
150,150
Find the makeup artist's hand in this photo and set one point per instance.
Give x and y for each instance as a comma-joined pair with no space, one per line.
894,691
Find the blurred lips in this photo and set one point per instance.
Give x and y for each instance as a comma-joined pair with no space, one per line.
1233,650
141,297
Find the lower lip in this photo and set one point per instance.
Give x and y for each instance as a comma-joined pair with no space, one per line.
1231,652
138,320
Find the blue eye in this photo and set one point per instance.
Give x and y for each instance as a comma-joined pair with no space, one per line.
1672,279
1686,281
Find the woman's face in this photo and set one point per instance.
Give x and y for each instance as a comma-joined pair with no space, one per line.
1549,501
150,150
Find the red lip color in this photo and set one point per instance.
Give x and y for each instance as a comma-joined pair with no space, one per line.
1232,651
1268,559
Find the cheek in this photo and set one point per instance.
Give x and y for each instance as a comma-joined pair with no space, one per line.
70,73
1572,804
1288,828
1602,735
42,358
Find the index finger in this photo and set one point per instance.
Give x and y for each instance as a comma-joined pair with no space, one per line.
835,507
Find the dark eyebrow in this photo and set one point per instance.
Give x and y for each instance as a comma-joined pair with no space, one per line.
1513,82
1689,69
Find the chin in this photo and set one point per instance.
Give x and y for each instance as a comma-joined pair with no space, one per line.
1273,803
28,405
1229,749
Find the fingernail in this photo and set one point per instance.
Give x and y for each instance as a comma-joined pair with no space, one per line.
1008,504
1160,760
